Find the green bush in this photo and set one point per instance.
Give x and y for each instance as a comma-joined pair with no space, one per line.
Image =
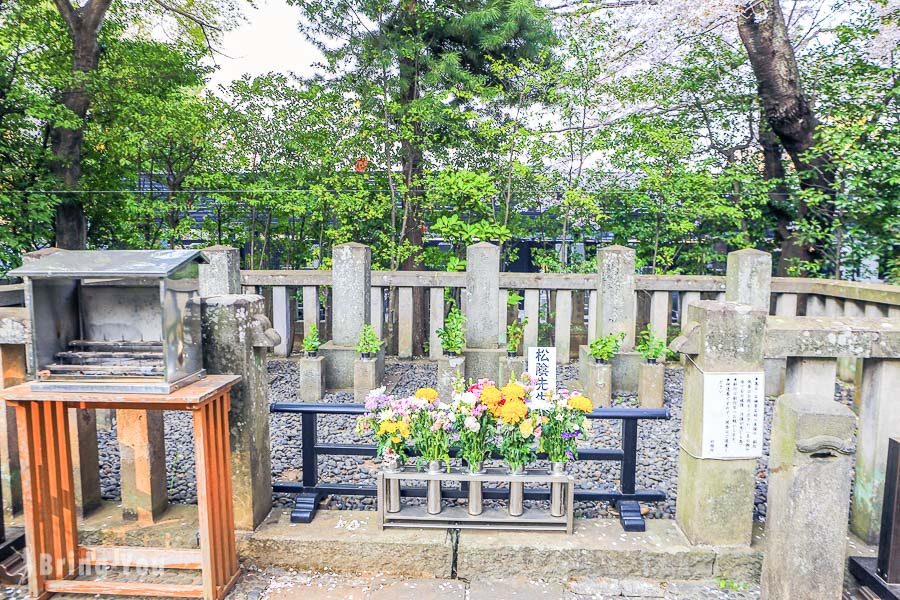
311,342
368,341
649,346
606,346
452,336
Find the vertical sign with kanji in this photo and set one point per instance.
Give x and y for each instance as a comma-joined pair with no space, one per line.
733,413
542,368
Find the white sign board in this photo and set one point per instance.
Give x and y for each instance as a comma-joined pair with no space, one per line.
542,368
733,413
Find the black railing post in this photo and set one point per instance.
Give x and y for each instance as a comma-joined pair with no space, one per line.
629,510
307,502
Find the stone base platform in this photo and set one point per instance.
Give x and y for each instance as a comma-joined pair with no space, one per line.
349,543
339,362
625,369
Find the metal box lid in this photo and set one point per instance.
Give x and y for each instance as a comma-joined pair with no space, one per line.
109,263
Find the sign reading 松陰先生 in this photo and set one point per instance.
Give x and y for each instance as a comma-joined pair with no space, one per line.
542,368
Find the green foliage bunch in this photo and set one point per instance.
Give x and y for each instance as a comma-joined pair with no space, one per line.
649,346
606,346
311,341
452,334
515,332
368,341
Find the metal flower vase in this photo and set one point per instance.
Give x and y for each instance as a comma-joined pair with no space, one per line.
516,492
433,489
393,488
476,494
557,507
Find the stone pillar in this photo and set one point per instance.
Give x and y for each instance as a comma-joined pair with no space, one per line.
142,448
284,311
748,278
311,379
405,322
660,315
833,306
482,295
563,326
222,273
351,284
786,305
615,293
236,337
810,376
815,306
879,419
12,372
809,497
715,497
847,366
435,322
351,276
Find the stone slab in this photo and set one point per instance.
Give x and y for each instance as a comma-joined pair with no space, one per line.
311,379
365,378
339,365
483,363
596,383
422,589
347,542
625,369
651,384
516,588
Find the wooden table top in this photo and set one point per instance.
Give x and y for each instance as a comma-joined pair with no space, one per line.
189,397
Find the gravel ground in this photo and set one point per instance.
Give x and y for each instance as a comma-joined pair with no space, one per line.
657,445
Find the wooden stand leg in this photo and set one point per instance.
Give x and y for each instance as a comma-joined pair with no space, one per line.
214,500
48,493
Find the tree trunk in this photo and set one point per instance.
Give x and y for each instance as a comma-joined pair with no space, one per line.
788,111
84,26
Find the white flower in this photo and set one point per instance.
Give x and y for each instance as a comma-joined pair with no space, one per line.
386,415
472,424
468,398
539,404
377,391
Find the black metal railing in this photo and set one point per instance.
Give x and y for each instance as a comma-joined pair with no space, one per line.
309,491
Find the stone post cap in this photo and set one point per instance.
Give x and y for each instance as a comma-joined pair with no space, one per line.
350,245
39,254
730,336
615,249
219,248
819,422
238,300
750,252
483,245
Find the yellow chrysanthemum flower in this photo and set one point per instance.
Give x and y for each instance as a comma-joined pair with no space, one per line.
427,394
491,397
403,428
513,391
526,427
581,403
396,439
512,412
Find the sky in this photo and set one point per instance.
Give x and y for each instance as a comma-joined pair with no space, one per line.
267,41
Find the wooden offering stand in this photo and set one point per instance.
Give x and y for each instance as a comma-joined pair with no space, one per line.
53,553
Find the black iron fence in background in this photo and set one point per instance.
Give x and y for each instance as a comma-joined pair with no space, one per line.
309,491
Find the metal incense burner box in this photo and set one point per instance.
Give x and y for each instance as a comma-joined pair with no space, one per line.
119,321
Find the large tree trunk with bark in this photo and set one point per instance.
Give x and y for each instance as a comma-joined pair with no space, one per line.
66,143
788,111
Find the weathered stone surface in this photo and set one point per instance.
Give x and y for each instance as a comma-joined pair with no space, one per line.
482,295
715,497
284,311
515,588
347,542
351,290
808,501
85,458
311,375
483,363
365,378
832,336
615,293
15,326
596,382
815,306
776,370
815,376
230,347
142,448
423,589
510,368
222,274
748,278
598,548
339,361
650,384
448,370
879,420
626,369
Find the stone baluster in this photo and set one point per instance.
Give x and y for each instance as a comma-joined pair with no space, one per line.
815,305
808,499
310,309
879,419
660,314
715,497
810,375
435,322
563,326
405,322
284,311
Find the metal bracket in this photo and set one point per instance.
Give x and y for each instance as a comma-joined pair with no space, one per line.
305,506
630,516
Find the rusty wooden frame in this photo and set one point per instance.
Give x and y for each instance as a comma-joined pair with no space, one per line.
48,492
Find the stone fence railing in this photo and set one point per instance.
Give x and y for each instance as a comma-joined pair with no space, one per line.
569,302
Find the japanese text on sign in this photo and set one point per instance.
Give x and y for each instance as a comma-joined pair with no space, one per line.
542,368
733,412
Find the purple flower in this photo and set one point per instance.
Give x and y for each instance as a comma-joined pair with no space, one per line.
570,454
567,435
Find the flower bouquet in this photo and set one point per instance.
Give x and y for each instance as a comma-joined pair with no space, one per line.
474,424
388,419
431,423
563,420
517,428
